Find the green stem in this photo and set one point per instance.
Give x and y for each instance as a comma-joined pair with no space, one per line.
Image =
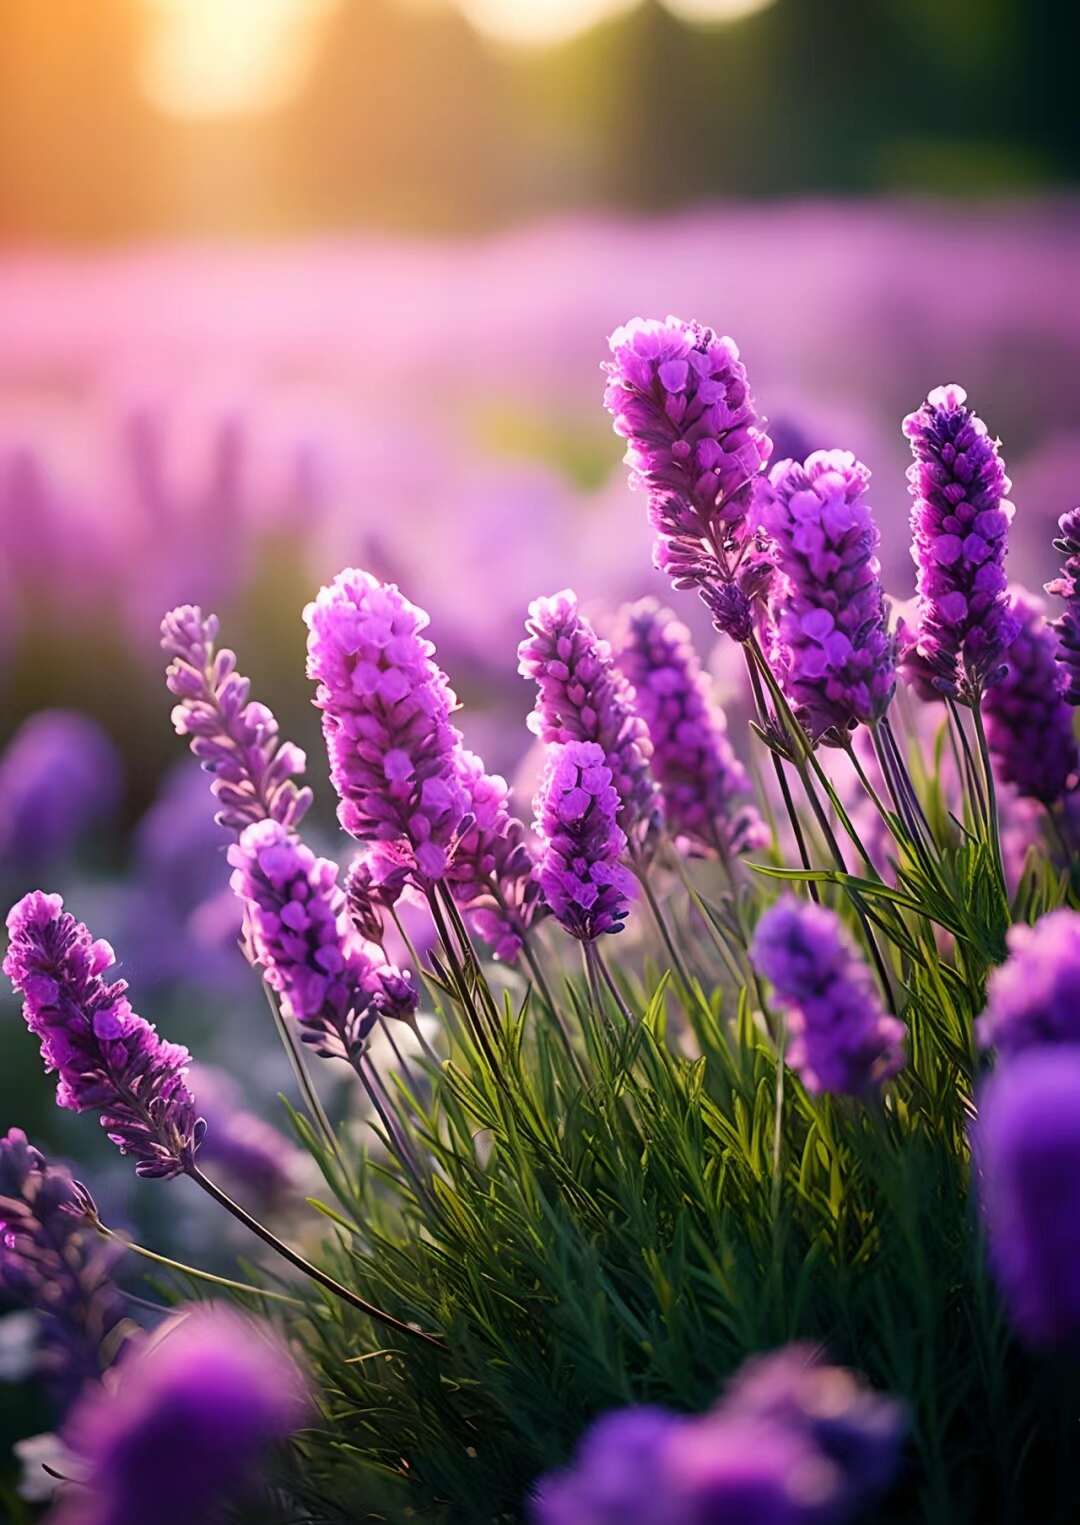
616,993
993,827
306,1086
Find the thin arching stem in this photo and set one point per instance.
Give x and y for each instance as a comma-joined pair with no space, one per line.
316,1274
193,1271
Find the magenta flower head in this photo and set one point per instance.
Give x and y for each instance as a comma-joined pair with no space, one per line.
59,777
234,737
1029,726
1067,586
184,1428
679,396
491,876
386,718
582,696
960,523
53,1263
584,884
108,1060
833,651
302,938
703,784
1033,998
1027,1153
840,1038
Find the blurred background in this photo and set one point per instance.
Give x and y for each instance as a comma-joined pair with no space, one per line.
286,284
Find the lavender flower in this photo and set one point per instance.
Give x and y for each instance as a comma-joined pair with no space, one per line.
1029,726
840,1038
50,1261
960,522
1033,998
833,652
59,776
700,777
679,396
1067,586
1027,1149
582,696
386,718
301,937
858,1430
491,876
362,899
185,1427
108,1059
234,738
579,871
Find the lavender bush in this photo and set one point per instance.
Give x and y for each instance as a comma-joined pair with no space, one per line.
668,1185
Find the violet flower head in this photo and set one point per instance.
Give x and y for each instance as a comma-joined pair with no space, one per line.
832,650
108,1059
703,784
186,1425
1027,1150
491,876
53,1263
840,1038
362,899
679,396
1029,727
1033,998
234,738
59,776
582,696
301,936
583,882
960,523
386,718
1067,586
617,1476
860,1431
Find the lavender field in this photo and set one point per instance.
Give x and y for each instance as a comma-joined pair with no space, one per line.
547,841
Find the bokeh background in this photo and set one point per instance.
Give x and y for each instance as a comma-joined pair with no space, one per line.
286,284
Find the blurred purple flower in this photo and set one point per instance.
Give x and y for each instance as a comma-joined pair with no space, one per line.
679,396
702,782
108,1059
185,1426
832,650
386,718
959,523
582,879
1033,998
234,738
1029,726
59,778
582,696
51,1261
840,1038
1027,1153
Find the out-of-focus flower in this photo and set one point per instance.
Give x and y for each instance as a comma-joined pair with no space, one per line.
53,1263
703,783
582,696
1027,1149
308,951
386,718
59,777
959,523
108,1059
1033,998
1067,586
1029,726
235,738
247,1148
583,882
790,1443
679,396
832,648
491,876
184,1427
840,1038
44,1460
